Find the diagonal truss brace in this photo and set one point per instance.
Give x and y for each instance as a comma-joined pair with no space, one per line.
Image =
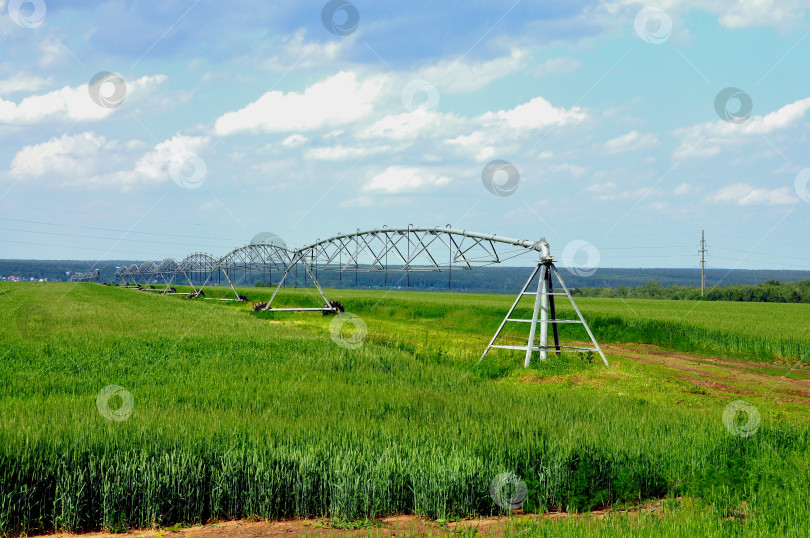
299,257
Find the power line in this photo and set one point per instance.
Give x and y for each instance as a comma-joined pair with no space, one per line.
103,215
643,248
97,215
766,254
638,257
150,241
66,246
790,266
116,230
776,243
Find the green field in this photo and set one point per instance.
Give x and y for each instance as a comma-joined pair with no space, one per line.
239,414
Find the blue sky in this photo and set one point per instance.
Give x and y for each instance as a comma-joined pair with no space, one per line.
215,122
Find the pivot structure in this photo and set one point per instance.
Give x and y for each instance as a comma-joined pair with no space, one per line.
90,276
381,254
544,314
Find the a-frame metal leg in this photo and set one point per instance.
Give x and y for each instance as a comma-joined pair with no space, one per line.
581,318
190,282
553,311
168,282
228,277
281,281
541,309
207,278
298,258
512,309
315,281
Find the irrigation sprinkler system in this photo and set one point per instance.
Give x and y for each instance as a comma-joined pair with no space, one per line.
380,251
90,276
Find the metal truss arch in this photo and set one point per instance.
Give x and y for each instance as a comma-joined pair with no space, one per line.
412,248
147,268
256,256
198,262
167,266
88,276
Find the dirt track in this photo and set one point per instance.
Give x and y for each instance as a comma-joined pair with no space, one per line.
765,380
390,526
404,525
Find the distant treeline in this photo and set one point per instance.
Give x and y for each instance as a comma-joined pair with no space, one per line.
771,291
721,284
512,279
56,270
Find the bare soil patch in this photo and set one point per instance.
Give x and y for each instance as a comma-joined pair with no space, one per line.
402,525
722,375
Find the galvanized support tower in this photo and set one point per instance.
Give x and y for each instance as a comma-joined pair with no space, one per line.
544,313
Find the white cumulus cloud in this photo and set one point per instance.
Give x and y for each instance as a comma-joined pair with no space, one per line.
632,141
22,82
707,139
153,165
396,179
462,76
92,159
745,194
65,104
748,13
779,14
535,114
71,155
344,153
408,125
476,145
338,100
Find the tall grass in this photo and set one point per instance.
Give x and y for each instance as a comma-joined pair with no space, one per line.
758,331
238,416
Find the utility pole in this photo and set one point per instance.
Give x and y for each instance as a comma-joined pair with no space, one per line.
702,253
